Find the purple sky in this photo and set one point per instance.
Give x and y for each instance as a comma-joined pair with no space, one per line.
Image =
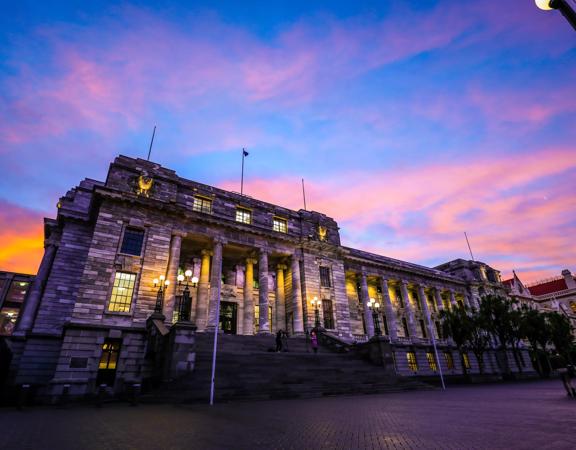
411,122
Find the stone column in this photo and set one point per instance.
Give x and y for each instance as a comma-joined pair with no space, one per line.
408,309
215,286
202,306
438,297
297,309
426,311
389,309
263,292
171,274
365,300
194,292
34,296
248,297
453,299
280,298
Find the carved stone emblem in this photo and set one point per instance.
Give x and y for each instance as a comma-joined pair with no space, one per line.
144,185
322,233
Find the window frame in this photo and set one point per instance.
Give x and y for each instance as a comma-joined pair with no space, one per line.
412,361
111,294
325,279
128,228
432,363
243,210
202,199
279,220
449,358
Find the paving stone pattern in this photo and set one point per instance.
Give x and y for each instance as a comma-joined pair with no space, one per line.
529,415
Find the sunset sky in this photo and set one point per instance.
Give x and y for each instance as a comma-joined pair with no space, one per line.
410,121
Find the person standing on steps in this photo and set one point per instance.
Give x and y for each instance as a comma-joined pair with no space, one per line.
314,340
285,341
279,341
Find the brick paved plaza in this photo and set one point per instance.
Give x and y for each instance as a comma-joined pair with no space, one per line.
531,415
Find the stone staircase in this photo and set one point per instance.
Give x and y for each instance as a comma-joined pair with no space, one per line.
247,369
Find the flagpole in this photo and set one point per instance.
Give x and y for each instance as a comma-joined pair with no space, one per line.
469,248
304,194
151,142
242,176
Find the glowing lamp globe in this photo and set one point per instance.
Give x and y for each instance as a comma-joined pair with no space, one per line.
188,273
194,279
543,4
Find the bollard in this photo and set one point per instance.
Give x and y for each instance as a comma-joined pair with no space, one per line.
23,396
100,395
64,398
135,395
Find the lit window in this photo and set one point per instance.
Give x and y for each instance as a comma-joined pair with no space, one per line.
449,360
110,352
412,363
573,307
8,318
243,215
432,361
202,204
466,360
280,225
325,276
132,241
17,291
121,298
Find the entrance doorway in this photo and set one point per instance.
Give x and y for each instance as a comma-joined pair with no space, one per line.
228,313
108,362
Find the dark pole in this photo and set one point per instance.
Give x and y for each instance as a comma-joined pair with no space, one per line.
304,194
151,142
377,330
567,11
159,300
242,176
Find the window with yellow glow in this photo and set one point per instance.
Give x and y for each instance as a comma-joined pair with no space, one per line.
466,360
412,363
202,204
432,361
573,307
280,225
122,290
449,360
110,352
243,215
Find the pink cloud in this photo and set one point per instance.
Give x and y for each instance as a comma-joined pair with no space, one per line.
498,201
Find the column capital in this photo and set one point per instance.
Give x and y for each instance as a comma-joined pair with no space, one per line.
251,260
219,240
281,267
207,252
178,233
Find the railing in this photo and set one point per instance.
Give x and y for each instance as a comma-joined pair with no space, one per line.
334,343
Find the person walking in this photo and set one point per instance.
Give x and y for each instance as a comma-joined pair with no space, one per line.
285,341
314,341
279,341
559,364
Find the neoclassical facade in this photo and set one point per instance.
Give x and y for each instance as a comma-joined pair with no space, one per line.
134,256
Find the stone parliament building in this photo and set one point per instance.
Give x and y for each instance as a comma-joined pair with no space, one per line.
147,256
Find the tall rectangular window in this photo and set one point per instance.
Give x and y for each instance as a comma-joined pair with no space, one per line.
122,290
466,360
438,330
132,241
108,362
325,276
328,314
422,328
280,225
202,204
243,215
405,327
399,299
12,305
432,361
449,360
412,362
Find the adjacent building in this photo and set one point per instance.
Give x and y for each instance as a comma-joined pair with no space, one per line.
131,259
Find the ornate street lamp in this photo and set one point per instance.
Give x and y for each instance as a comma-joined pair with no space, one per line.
375,308
568,11
185,306
316,304
161,284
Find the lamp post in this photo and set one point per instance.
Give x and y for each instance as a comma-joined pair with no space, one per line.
185,306
161,284
315,304
568,11
375,308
